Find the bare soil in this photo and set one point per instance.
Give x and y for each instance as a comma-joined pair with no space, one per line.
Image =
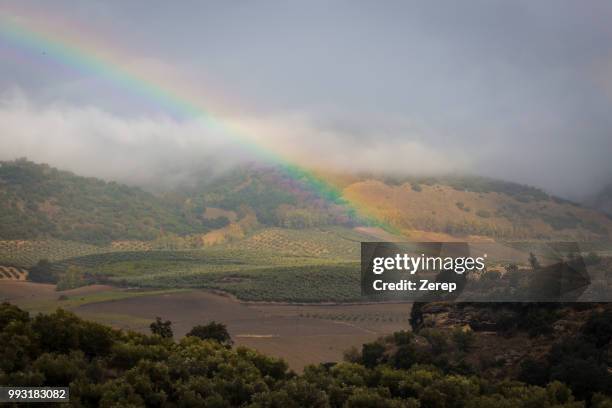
301,335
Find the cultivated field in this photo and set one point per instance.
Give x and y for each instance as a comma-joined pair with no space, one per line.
269,264
302,335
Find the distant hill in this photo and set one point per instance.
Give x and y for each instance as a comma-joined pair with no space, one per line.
38,201
478,206
442,206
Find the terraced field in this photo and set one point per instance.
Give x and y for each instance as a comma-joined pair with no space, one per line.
13,273
27,253
333,242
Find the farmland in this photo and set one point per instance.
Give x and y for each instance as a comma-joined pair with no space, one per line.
270,264
26,253
249,275
13,273
302,334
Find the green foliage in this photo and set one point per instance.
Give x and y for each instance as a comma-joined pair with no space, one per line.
10,313
72,278
437,339
579,361
538,321
463,338
42,272
162,328
248,274
372,354
27,254
130,369
38,201
212,331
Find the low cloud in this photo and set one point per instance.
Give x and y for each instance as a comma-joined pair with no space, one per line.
161,151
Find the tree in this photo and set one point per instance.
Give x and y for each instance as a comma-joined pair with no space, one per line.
72,278
10,313
41,272
372,354
161,328
212,331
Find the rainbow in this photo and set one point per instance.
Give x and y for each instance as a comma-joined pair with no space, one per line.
80,52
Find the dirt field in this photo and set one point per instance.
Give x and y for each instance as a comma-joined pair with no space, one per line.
22,292
301,335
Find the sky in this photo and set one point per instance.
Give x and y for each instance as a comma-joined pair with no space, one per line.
518,90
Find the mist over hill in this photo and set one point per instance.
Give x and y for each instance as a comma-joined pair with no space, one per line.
602,200
40,201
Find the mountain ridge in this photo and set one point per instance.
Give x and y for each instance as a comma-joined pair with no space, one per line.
39,201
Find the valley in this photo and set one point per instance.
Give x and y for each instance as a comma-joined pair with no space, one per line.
282,272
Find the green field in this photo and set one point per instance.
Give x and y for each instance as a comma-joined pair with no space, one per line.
247,274
26,253
271,264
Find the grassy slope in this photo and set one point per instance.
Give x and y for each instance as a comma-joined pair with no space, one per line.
38,201
451,209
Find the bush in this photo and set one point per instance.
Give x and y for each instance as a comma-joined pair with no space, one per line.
437,339
162,328
212,331
463,338
42,272
372,354
483,213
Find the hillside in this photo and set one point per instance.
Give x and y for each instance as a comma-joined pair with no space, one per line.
38,201
476,206
536,343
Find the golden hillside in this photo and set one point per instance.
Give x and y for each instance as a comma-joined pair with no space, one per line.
438,207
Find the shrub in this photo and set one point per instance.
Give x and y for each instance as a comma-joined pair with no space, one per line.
483,213
212,331
372,354
463,338
162,328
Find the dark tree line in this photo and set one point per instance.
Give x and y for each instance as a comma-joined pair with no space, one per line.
107,368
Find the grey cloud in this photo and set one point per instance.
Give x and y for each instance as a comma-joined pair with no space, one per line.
519,90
